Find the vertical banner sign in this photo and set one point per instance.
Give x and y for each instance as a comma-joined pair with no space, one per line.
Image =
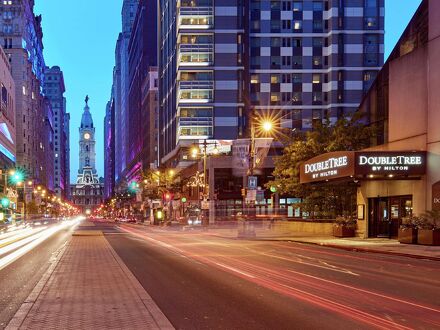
262,146
436,196
28,193
240,157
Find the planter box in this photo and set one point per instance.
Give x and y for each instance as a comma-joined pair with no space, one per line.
408,235
342,231
428,237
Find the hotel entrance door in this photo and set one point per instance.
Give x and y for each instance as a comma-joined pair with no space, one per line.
386,213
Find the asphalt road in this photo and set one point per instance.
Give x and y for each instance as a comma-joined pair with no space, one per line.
201,281
18,279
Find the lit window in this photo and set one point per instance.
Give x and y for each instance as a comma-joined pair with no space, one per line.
24,90
297,25
274,97
274,79
254,79
316,79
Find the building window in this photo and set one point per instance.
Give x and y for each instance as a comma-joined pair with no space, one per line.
316,79
317,6
275,79
317,61
297,6
371,50
297,78
369,77
255,79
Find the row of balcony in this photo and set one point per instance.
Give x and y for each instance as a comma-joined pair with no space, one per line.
196,54
196,18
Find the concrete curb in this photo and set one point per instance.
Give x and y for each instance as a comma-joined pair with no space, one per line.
154,310
19,317
340,247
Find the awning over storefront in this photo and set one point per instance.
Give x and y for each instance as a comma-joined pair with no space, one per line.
363,164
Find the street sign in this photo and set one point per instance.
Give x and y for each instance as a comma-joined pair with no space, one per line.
252,182
251,195
260,195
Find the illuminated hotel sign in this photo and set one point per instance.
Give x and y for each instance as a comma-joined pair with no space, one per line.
390,163
342,164
332,165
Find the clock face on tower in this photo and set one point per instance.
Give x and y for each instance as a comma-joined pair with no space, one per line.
87,136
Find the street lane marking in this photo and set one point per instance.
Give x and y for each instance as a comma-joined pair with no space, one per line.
328,267
366,291
234,270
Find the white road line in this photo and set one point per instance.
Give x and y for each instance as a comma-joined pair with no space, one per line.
234,270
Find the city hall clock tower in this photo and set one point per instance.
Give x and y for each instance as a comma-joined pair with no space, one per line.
87,153
88,191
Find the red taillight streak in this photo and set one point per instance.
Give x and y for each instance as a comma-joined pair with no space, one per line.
288,290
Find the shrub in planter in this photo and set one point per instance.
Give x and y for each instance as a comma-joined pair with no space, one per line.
344,227
408,230
429,229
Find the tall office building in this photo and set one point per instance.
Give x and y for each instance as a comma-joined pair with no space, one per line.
116,91
7,118
201,72
312,59
109,148
142,55
67,152
129,9
54,90
298,61
22,36
150,120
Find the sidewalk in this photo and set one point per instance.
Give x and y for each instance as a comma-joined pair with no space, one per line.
373,245
89,288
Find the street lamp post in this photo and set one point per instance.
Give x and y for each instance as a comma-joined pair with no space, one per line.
266,126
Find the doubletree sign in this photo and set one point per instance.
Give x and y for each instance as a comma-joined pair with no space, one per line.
390,163
343,164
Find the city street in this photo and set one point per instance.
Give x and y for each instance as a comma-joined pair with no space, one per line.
200,280
25,254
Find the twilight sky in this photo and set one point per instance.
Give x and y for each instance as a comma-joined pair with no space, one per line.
80,37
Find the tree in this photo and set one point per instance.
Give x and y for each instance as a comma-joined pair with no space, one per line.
158,182
321,200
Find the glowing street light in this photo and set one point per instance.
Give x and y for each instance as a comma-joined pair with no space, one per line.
194,152
267,126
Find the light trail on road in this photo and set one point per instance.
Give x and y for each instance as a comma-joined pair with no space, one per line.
371,307
24,242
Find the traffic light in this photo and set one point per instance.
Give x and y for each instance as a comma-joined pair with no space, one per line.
5,202
17,176
133,187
